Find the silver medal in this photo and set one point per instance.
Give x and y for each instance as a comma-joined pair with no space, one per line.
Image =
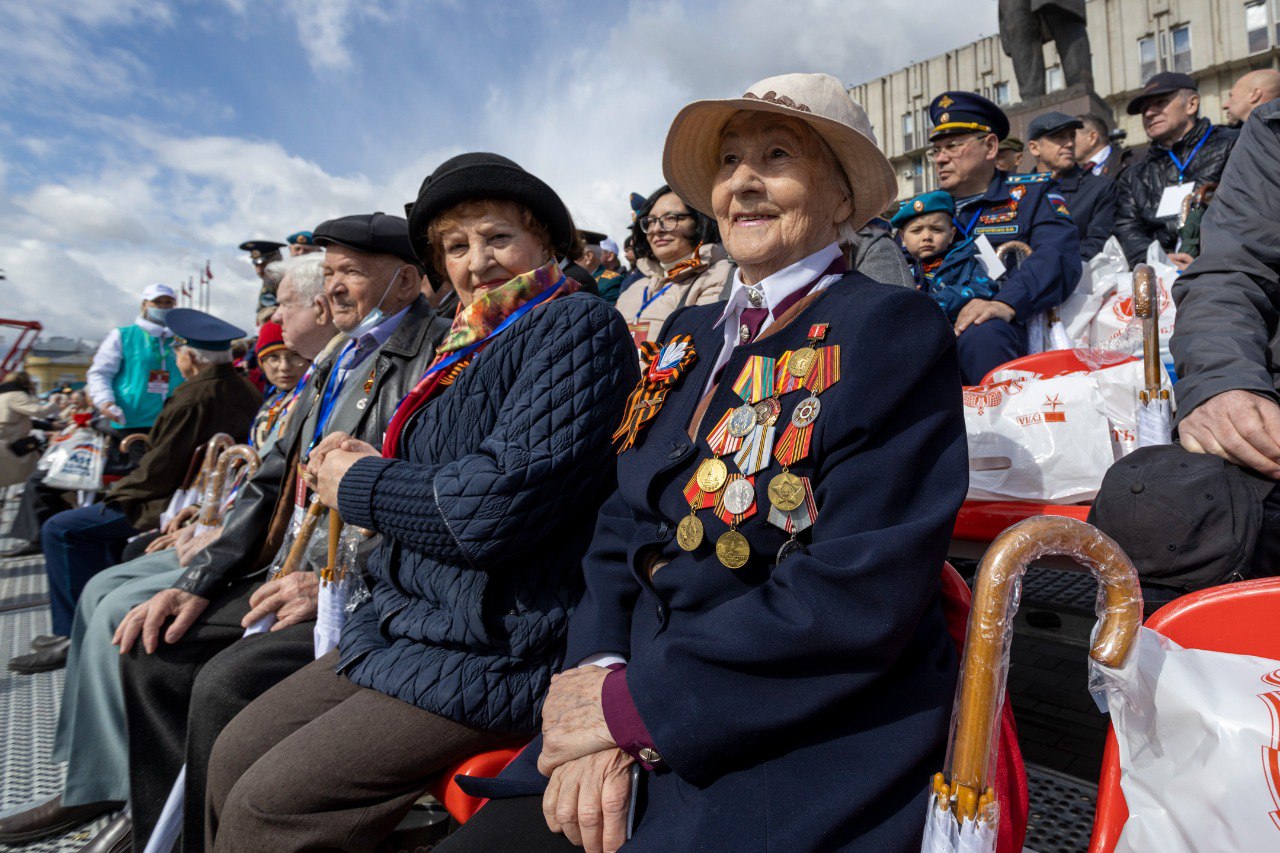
738,496
743,421
806,412
788,548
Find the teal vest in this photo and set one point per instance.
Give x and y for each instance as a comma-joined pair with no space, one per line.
141,354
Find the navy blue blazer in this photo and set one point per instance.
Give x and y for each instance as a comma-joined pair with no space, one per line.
1092,201
802,706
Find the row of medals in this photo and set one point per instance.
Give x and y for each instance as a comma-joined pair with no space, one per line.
787,492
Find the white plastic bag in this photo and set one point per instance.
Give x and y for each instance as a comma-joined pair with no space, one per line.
1098,283
1115,327
77,463
1199,739
1037,440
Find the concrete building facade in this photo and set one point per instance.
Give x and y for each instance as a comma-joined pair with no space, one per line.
1215,41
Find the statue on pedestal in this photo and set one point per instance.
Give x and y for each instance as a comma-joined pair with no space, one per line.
1025,25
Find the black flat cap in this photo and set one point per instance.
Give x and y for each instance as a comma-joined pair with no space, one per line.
478,176
1160,84
375,233
201,330
1051,122
1187,520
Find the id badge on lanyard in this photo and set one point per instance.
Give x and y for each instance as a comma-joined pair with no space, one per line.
158,380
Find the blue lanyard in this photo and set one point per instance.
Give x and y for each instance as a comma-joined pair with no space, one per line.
1183,166
967,228
330,396
501,327
649,300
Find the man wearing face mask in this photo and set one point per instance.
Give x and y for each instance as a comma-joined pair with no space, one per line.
198,662
134,370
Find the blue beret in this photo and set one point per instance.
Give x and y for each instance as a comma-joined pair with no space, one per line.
301,238
966,112
201,330
934,202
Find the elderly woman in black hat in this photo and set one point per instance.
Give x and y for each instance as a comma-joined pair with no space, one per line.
763,590
485,493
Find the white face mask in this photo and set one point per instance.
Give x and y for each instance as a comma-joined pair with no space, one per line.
375,317
157,315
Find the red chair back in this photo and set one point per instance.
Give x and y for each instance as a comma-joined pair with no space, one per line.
1058,362
460,804
1238,618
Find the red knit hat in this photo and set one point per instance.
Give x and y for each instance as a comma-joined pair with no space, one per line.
270,339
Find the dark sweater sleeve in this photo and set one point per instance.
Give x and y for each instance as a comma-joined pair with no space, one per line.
839,615
569,371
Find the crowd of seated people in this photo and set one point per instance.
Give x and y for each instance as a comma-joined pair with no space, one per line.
634,522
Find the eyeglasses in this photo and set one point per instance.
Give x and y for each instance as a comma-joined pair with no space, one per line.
666,222
284,358
951,147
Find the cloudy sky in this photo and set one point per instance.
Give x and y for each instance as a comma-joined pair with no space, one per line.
140,137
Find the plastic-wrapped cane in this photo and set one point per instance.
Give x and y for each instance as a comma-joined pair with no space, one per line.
211,504
1155,409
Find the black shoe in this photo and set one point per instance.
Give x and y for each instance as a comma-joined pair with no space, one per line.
46,660
49,818
44,641
117,837
28,550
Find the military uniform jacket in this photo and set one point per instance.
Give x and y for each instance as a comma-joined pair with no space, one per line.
217,399
801,706
1091,201
1029,208
363,409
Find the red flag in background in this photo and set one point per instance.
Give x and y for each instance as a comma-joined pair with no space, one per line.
208,271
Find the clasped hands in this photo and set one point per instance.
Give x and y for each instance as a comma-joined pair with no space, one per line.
330,460
590,788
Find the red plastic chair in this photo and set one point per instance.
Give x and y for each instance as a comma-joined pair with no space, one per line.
1238,618
983,521
460,804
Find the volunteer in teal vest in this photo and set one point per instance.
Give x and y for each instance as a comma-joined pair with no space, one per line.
135,369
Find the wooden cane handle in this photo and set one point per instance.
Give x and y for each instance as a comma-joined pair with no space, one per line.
1146,307
127,443
984,667
1014,247
305,530
215,495
335,537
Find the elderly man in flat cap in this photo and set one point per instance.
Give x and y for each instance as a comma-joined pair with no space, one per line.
198,661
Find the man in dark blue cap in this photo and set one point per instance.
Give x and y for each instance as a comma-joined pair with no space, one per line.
994,208
1187,151
1091,199
79,543
182,683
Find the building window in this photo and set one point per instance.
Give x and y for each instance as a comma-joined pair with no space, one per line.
908,131
1000,93
1148,61
917,176
1181,40
1255,26
1053,79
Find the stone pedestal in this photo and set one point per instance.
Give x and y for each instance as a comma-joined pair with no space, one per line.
1074,101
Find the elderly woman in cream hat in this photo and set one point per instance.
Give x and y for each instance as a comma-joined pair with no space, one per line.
762,659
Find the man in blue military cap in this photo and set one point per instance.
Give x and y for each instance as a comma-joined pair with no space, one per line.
302,243
1091,199
993,208
79,543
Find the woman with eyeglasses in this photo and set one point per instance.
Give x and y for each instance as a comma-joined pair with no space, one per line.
678,250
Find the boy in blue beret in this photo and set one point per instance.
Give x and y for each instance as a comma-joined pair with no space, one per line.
952,275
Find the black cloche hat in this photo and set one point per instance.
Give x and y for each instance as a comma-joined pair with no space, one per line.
375,233
477,176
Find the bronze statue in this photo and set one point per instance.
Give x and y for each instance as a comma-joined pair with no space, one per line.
1025,25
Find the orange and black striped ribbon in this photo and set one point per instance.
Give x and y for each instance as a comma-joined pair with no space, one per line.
651,393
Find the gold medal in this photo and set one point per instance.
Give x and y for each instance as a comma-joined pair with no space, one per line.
786,492
689,532
711,475
801,362
732,549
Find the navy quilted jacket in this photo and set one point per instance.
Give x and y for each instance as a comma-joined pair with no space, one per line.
486,518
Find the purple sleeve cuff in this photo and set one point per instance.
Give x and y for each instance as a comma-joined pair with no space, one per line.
622,718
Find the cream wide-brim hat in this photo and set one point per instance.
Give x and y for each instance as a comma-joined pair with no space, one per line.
690,158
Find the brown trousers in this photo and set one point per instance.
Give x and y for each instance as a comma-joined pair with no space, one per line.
317,763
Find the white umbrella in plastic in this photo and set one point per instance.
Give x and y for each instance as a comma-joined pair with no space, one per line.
963,812
1155,409
169,826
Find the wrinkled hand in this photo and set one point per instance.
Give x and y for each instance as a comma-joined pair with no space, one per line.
978,311
181,518
1240,426
330,460
293,598
1181,260
190,543
573,718
588,798
147,618
162,542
